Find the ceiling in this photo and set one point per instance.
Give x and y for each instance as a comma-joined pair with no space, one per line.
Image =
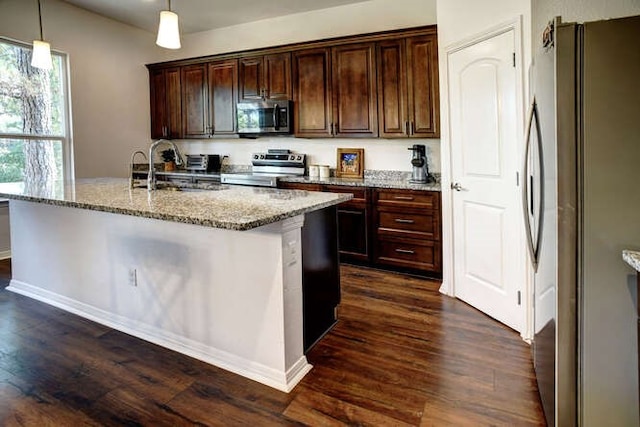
201,15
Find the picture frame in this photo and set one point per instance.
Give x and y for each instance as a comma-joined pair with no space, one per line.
350,163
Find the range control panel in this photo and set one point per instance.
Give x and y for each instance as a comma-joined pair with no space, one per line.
278,158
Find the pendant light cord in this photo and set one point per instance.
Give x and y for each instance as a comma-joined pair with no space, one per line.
169,5
40,19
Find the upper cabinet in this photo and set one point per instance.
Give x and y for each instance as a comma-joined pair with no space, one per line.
223,96
265,77
195,111
408,99
209,98
165,96
334,92
354,90
367,86
312,116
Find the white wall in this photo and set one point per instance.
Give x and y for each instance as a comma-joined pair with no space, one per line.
581,10
109,82
371,16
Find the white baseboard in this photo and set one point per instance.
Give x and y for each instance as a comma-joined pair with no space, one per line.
283,381
5,254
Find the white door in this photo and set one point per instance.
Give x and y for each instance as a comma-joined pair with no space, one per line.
487,224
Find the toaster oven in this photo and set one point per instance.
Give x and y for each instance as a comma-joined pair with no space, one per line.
203,162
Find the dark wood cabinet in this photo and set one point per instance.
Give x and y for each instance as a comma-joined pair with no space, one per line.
165,97
209,97
423,86
223,96
299,186
408,98
354,90
312,93
195,106
407,230
265,77
381,84
335,92
393,229
353,223
353,218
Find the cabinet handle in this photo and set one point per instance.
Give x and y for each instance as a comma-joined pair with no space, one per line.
406,127
404,221
411,127
405,251
332,129
403,197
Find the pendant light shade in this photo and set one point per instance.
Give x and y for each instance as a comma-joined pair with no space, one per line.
41,55
168,30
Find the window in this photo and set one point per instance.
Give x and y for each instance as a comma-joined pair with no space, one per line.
34,117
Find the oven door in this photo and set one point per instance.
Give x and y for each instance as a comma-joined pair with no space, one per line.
266,117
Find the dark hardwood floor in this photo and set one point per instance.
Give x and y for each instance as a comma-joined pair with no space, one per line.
402,354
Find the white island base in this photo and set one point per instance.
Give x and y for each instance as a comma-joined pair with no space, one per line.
229,298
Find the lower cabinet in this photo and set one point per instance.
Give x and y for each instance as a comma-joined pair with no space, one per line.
407,229
393,229
353,223
353,219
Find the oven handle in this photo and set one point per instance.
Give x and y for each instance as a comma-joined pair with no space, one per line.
276,125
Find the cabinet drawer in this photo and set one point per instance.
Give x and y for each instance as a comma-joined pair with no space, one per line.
300,186
360,195
421,255
421,199
418,225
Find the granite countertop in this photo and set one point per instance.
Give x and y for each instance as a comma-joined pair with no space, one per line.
379,179
223,206
632,258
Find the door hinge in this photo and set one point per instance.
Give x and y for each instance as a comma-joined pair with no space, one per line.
514,59
519,298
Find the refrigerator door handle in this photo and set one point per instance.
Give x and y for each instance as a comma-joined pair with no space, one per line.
532,245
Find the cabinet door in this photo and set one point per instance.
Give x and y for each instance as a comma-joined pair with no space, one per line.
223,96
174,103
422,84
277,84
159,109
312,93
251,78
354,89
195,108
392,89
353,223
165,97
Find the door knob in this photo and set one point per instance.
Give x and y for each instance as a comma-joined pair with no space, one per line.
456,186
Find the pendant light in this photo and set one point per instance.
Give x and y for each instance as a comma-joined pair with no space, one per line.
41,55
168,30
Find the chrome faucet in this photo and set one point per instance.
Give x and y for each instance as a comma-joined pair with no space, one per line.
151,179
132,182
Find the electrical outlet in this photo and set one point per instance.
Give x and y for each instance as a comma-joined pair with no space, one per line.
133,277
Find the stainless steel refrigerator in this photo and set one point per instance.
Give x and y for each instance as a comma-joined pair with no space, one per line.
582,204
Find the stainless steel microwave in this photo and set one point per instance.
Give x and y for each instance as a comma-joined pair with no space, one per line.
265,117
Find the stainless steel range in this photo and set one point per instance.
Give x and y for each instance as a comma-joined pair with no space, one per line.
267,168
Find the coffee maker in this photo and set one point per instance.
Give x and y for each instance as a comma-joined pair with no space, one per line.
420,172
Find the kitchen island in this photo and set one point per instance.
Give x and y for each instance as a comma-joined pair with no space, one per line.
217,275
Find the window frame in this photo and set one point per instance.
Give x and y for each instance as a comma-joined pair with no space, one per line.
66,140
